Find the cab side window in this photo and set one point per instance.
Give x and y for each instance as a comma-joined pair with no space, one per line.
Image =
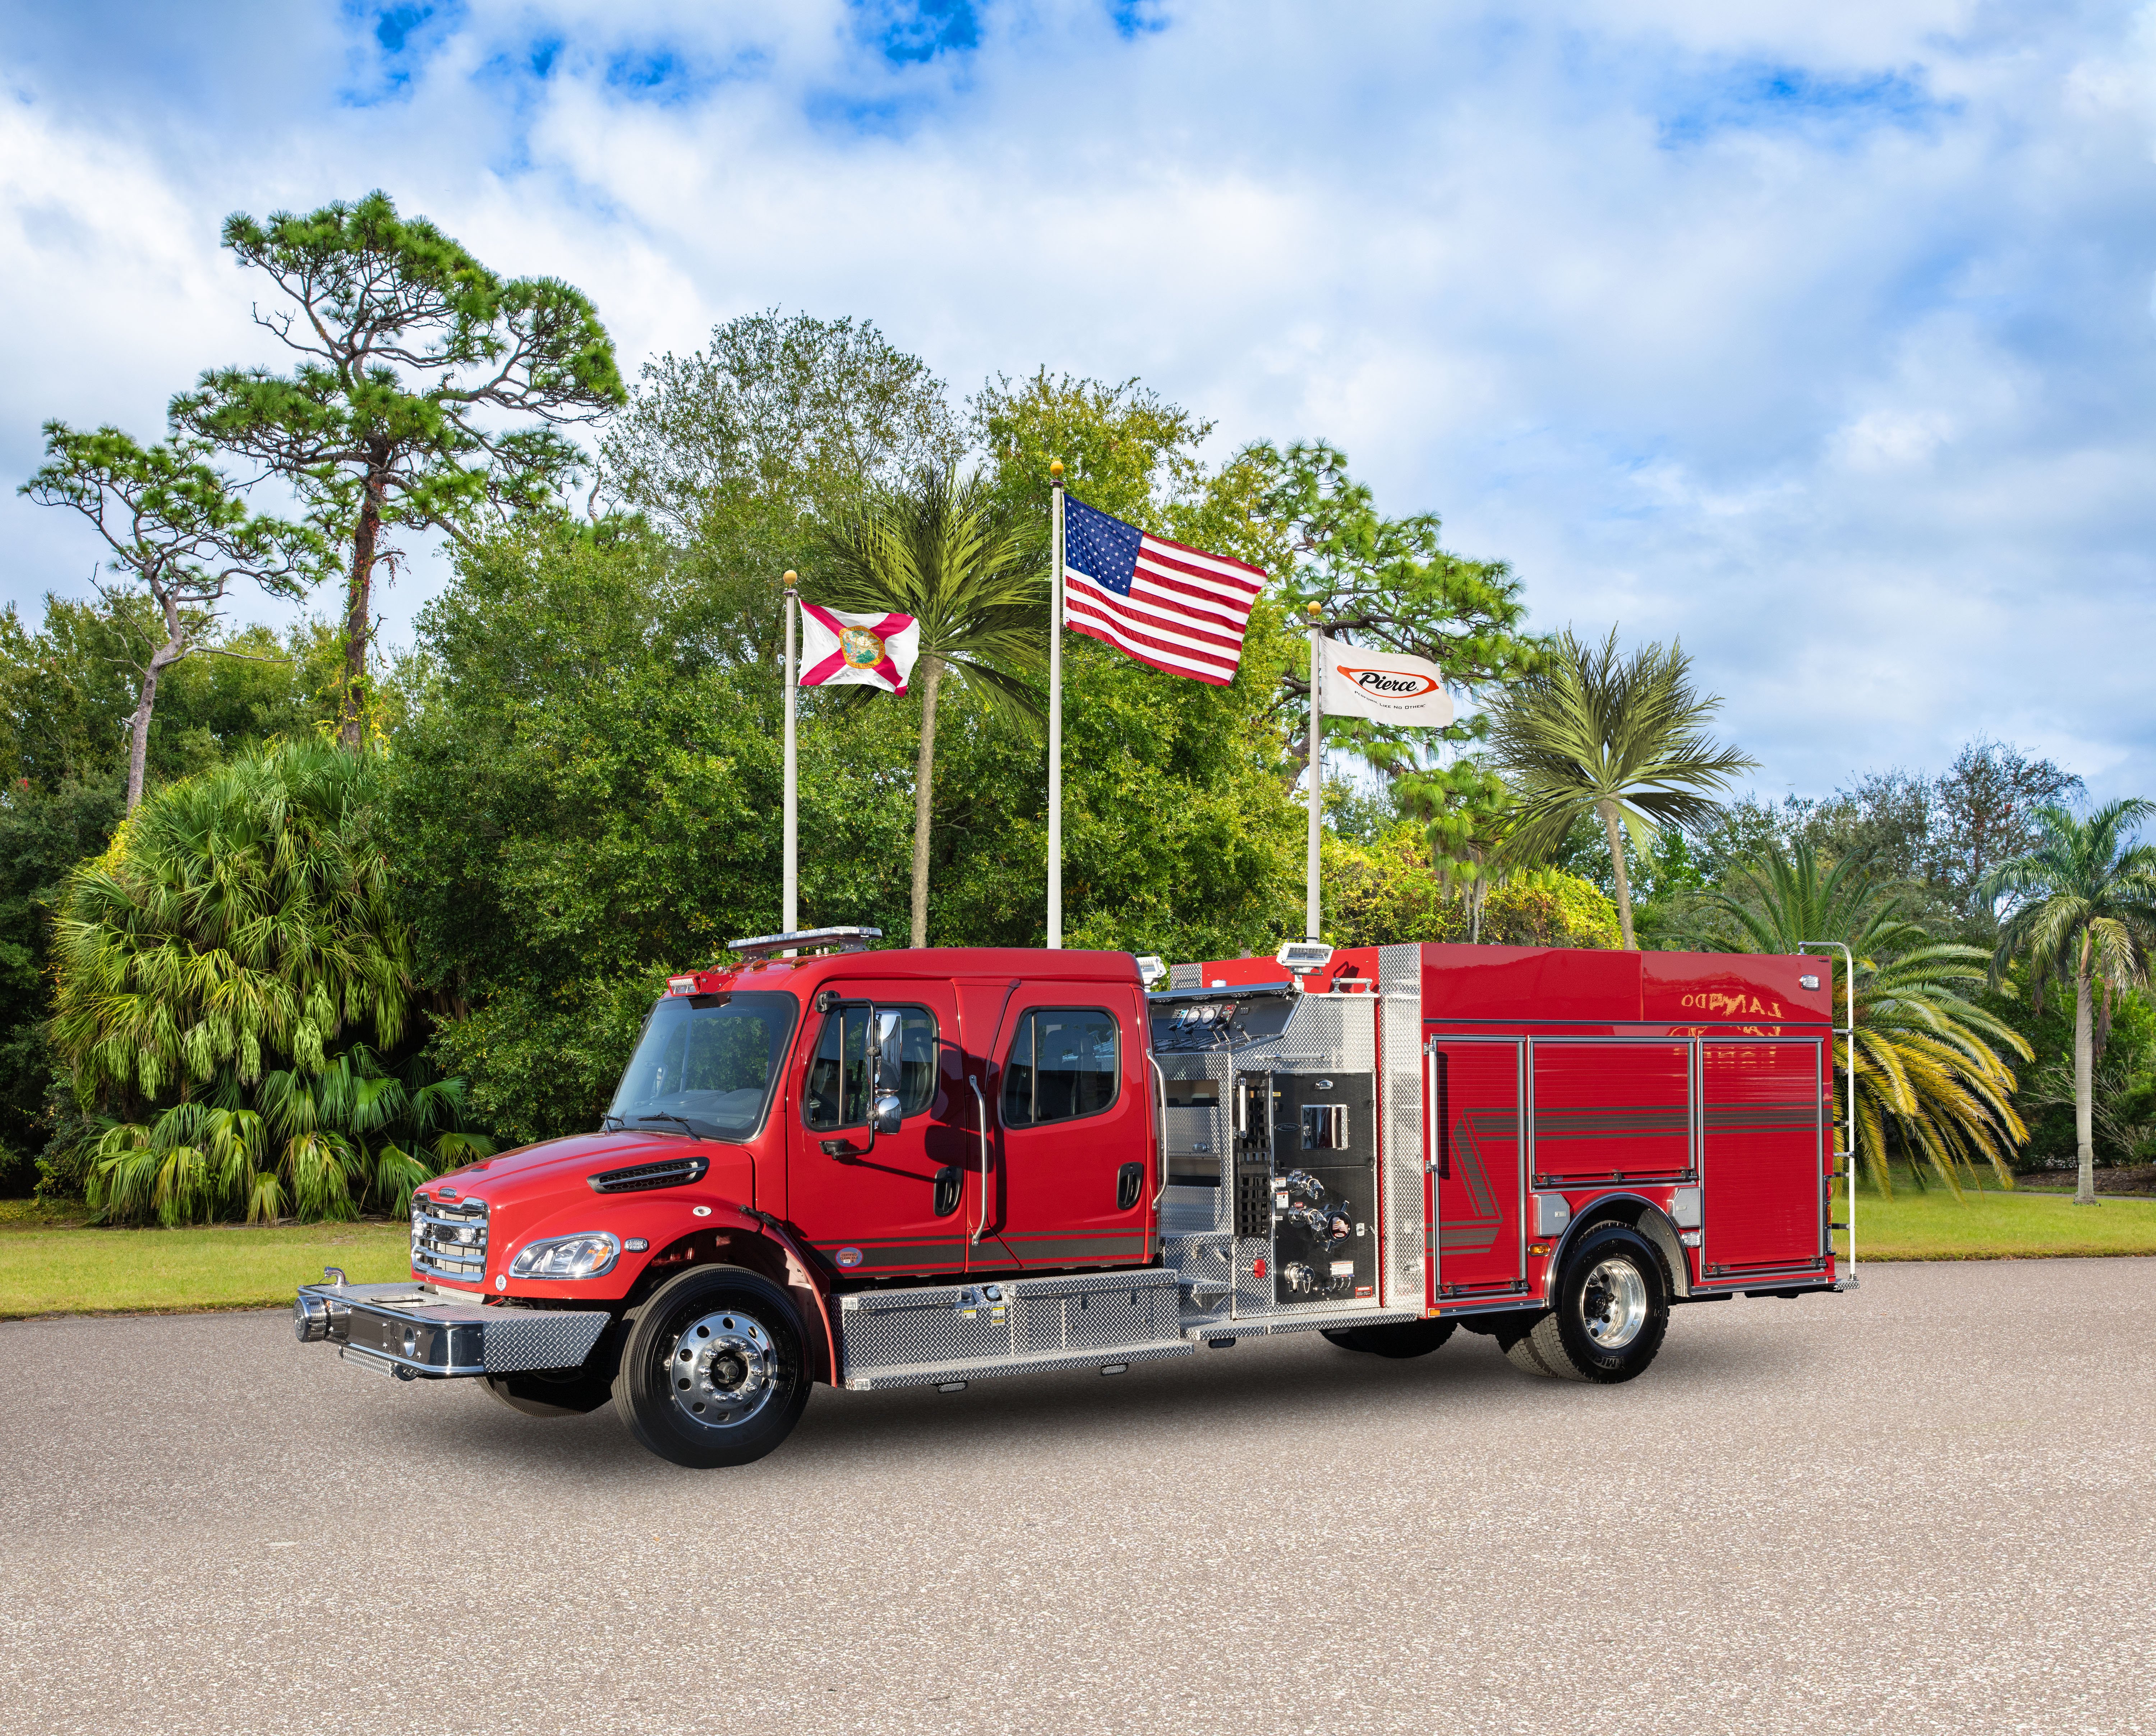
838,1076
1061,1066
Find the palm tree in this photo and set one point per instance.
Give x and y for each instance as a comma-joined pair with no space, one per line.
2084,909
943,552
216,970
1923,1057
1624,739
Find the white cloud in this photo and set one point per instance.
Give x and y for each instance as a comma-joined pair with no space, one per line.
1816,333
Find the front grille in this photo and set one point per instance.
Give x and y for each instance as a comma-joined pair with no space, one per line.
448,1238
672,1172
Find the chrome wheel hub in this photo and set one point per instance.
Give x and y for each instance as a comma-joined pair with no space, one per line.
1612,1304
722,1369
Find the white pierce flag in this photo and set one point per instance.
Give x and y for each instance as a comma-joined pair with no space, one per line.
1385,686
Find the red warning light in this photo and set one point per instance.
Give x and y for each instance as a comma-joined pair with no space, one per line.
1258,1268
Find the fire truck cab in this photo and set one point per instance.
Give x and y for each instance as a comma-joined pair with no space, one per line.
873,1169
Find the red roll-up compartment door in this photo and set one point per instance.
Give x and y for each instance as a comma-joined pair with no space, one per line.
1477,1188
1763,1163
1610,1110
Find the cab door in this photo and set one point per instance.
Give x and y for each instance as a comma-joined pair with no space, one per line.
1071,1106
872,1203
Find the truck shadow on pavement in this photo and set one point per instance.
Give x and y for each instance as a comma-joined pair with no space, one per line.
1260,1388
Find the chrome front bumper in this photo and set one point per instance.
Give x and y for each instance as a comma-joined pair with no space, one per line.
415,1332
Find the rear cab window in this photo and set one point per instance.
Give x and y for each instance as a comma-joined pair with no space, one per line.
1063,1064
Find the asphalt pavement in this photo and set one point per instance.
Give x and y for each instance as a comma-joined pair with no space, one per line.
1930,1505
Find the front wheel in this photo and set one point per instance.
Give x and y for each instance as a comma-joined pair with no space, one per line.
713,1372
1612,1308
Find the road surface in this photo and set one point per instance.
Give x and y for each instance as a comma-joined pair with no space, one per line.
1928,1506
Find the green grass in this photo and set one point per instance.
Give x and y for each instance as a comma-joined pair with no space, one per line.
1989,1224
51,1264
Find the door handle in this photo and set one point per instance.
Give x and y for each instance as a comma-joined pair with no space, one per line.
1130,1182
844,1152
980,1111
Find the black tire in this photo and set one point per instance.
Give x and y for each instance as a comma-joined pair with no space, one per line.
1518,1342
1612,1311
1395,1339
713,1372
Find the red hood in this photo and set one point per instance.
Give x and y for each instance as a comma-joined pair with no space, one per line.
535,1172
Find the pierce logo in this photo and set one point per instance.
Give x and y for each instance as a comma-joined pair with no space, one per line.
1390,683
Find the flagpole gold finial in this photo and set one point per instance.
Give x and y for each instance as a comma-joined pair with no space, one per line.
1315,612
791,578
1055,470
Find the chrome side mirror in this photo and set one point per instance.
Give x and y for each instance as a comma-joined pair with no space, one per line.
884,1102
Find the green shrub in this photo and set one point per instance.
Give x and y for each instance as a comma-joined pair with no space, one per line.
218,970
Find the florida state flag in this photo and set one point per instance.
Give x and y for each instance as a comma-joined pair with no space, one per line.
838,649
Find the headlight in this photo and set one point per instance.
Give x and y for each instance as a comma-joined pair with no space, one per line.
567,1256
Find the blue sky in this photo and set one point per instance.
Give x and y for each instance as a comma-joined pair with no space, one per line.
1822,334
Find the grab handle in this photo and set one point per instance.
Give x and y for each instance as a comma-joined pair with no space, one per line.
981,1110
1160,1126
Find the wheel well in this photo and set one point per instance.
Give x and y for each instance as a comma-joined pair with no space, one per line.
755,1253
1651,1221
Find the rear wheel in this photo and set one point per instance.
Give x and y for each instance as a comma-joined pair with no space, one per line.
1398,1338
1612,1310
712,1372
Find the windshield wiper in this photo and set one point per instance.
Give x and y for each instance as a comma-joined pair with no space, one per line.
678,1122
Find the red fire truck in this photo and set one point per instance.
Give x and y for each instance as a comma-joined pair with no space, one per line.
877,1168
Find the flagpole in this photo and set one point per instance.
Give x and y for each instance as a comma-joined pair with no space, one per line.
790,897
1317,767
1056,705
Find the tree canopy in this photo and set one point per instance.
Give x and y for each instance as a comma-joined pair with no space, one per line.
177,531
945,552
415,361
1624,739
2083,911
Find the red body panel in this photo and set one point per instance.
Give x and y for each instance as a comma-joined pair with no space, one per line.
1760,1154
1633,1076
1610,1110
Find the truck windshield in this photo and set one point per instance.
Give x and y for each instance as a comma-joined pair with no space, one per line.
706,1063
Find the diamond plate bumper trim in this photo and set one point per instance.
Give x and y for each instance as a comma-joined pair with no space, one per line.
421,1334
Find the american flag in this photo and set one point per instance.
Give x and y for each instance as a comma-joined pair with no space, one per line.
1174,608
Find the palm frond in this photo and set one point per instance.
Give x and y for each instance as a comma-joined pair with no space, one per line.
1927,1078
221,971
